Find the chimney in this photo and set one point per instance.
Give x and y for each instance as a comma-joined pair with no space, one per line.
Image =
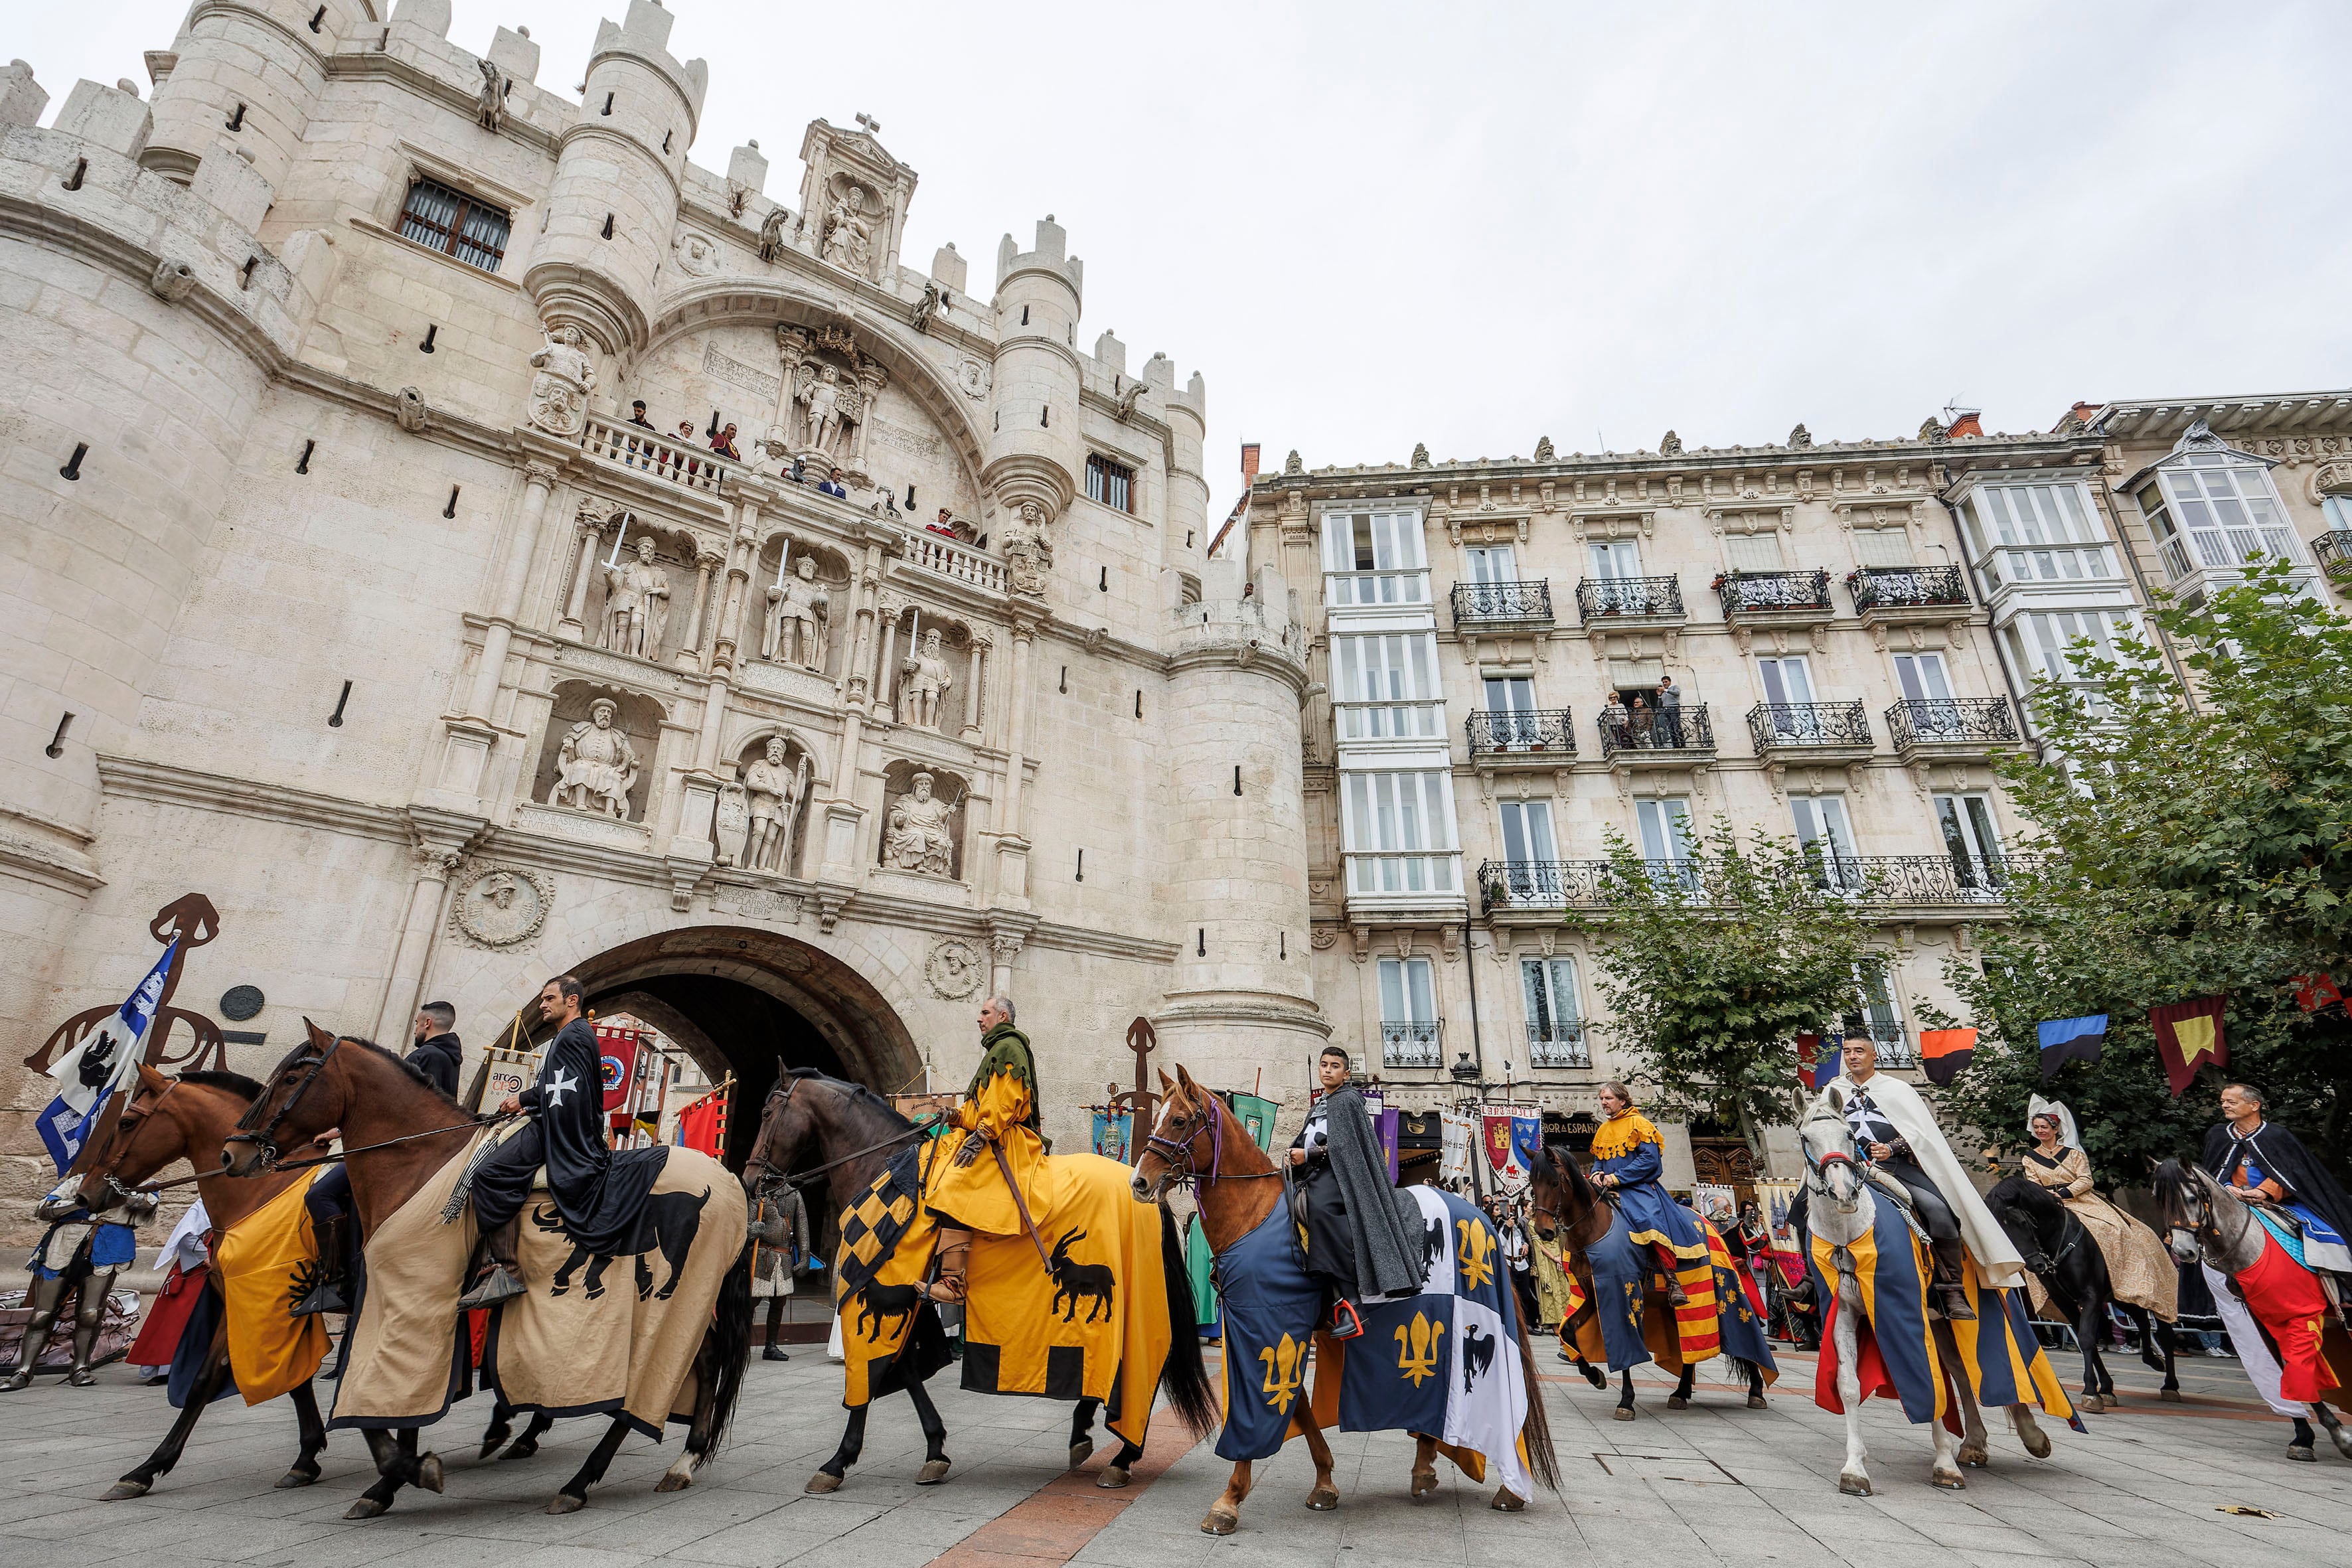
1965,422
1249,464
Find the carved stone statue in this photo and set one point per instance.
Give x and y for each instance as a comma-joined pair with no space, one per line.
490,102
915,838
636,605
1932,431
597,765
1801,437
774,793
559,393
799,616
934,301
848,236
1670,444
730,823
923,681
1420,455
823,397
772,240
1028,553
1544,452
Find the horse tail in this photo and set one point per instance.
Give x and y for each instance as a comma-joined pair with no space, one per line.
729,1340
1184,1377
1535,1432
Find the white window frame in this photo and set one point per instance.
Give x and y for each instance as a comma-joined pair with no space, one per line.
1386,686
1398,569
1397,832
1410,1026
1555,1021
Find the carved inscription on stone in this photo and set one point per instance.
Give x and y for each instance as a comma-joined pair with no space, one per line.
758,904
899,438
735,373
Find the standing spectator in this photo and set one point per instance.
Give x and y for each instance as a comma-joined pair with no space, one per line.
724,443
831,485
1637,720
1613,723
637,415
1670,713
1523,1278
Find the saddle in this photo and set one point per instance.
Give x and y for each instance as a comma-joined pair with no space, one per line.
1902,1198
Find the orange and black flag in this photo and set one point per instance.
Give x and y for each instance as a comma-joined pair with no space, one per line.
1943,1052
2188,1036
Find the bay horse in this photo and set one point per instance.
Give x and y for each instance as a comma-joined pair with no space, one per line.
2061,1252
1569,1210
1842,1208
850,1133
2205,1222
399,1132
1199,1140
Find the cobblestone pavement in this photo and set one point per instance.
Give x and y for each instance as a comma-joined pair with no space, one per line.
1714,1482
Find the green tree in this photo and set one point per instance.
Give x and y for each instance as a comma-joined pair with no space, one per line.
2188,842
1714,966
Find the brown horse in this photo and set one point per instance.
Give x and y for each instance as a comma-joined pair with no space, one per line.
1199,1140
400,1133
1570,1213
166,1121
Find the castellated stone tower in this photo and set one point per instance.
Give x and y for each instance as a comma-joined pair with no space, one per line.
1187,413
1035,446
249,73
1239,998
620,170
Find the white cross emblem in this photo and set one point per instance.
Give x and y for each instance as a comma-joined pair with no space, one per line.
559,1084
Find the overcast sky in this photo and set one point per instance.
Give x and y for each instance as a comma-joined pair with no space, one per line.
1372,224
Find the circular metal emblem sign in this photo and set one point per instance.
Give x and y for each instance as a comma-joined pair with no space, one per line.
240,1002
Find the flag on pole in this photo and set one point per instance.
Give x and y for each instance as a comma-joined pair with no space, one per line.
2067,1040
1817,1065
89,1075
2313,992
703,1124
1509,1174
1943,1052
2188,1036
1526,1135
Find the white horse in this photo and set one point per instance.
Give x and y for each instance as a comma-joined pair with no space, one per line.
1835,1186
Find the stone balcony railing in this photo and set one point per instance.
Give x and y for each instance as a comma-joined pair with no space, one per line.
958,563
649,451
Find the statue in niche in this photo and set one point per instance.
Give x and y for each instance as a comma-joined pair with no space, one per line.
559,393
774,793
799,615
915,838
923,682
636,605
821,396
1028,553
597,765
772,240
848,235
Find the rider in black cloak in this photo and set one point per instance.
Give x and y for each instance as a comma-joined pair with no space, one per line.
1362,1235
599,1194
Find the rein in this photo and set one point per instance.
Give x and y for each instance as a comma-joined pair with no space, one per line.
1213,1123
772,1177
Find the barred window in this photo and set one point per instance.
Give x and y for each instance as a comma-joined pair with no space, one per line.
456,225
1113,484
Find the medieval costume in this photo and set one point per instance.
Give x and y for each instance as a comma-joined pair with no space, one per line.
78,1256
436,1060
996,1161
2275,1162
779,1230
186,1259
1362,1238
1948,1207
598,1193
1628,1167
2139,1267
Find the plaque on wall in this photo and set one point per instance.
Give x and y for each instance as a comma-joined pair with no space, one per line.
499,906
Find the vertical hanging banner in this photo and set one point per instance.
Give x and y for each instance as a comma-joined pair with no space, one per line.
1111,1134
617,1052
1526,1135
2188,1036
1501,1157
1454,1158
89,1075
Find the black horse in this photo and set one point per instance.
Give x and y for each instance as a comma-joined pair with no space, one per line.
2063,1255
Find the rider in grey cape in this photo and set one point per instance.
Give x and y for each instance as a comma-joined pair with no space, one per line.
1362,1235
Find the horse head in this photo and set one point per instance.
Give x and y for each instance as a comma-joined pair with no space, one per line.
2013,1202
1831,1169
299,1102
2188,1201
1563,1198
1183,1140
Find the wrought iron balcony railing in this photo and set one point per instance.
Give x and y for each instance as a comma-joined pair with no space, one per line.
1680,729
1558,1046
1897,882
1540,884
1651,598
1500,732
1769,592
1412,1044
1786,726
1906,587
1517,603
1894,1046
2333,551
1952,721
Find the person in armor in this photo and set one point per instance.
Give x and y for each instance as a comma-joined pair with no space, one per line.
996,1161
1628,1167
1362,1235
78,1257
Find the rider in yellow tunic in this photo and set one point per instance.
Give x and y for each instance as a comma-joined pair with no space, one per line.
998,1120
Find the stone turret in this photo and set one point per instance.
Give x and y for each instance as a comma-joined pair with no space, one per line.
249,73
619,171
1184,542
1035,452
1239,997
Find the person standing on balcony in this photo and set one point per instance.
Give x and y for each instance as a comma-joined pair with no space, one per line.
637,415
1670,713
724,443
1613,721
1638,720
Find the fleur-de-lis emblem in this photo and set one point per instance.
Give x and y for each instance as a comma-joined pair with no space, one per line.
1476,1252
1281,1384
1417,1345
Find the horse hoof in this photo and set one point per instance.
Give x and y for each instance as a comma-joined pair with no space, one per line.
933,1472
1081,1451
1676,1402
1220,1521
296,1477
428,1472
1622,1413
1509,1502
127,1488
1755,1402
564,1503
523,1449
1854,1486
1595,1376
2091,1404
1425,1484
2169,1395
1114,1477
2037,1444
671,1482
821,1483
492,1443
1979,1458
1323,1500
366,1507
2301,1453
1953,1482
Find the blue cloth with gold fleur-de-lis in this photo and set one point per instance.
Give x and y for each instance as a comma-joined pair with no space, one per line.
1444,1360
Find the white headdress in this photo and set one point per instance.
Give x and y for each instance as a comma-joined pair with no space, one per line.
2038,1108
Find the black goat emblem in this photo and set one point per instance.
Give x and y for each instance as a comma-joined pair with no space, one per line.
1093,1283
1477,1355
668,1224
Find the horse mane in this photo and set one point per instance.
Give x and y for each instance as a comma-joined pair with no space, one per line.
235,1083
416,1073
856,1092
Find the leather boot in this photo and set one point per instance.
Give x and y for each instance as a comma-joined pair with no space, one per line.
955,1248
502,1278
1954,1294
329,1290
1676,1295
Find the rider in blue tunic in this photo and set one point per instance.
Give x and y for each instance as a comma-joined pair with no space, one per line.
1628,1162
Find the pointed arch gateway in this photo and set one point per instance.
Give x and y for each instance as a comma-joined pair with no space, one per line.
739,999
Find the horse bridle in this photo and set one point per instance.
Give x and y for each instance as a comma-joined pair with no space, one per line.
1211,1123
775,1178
126,1126
314,1061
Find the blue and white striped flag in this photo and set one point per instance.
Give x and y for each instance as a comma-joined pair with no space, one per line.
89,1075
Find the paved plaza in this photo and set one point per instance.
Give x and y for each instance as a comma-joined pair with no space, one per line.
1719,1481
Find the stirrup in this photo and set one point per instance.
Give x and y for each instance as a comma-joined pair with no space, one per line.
498,1284
1346,1321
